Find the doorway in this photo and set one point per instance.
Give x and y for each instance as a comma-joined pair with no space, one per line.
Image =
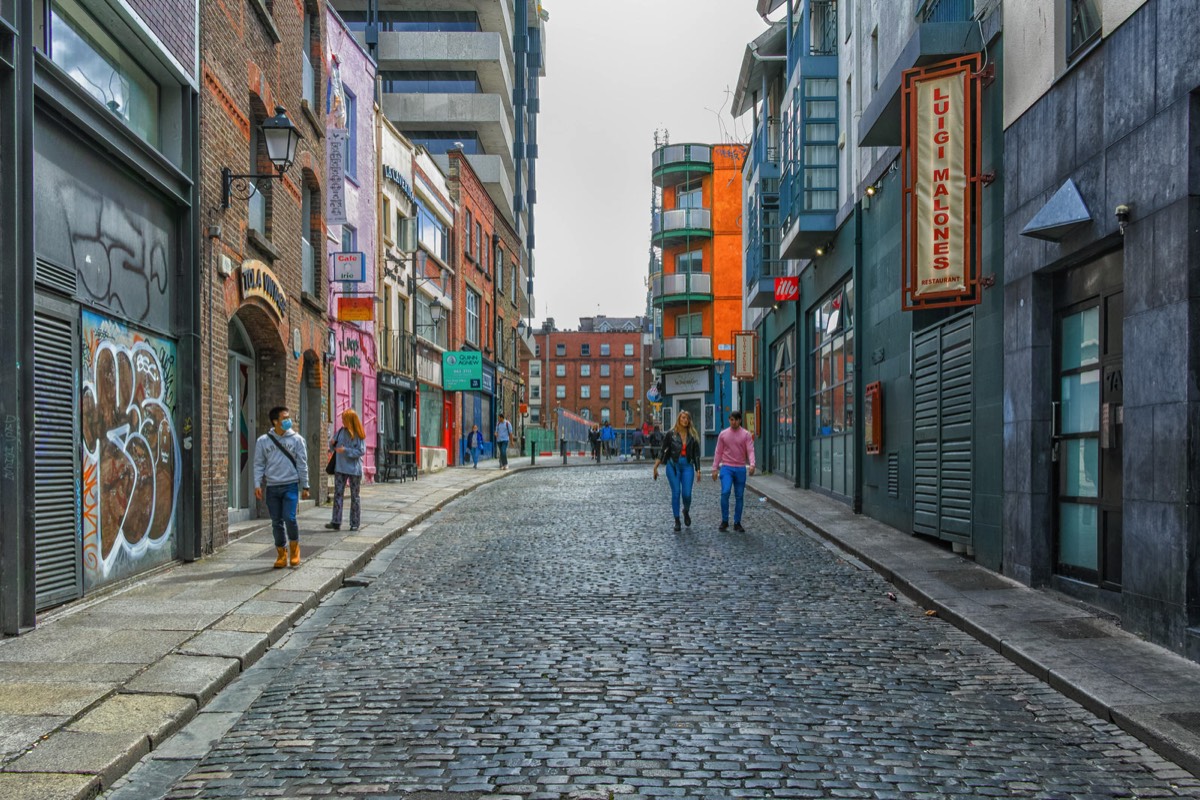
240,424
694,405
310,422
1087,422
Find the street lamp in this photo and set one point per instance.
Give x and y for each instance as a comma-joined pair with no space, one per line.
282,138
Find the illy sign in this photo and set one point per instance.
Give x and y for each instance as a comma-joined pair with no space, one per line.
787,289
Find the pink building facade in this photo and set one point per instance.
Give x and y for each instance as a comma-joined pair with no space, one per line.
354,353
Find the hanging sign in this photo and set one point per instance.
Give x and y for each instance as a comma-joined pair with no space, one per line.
349,267
787,289
335,165
940,158
462,371
355,309
745,355
257,280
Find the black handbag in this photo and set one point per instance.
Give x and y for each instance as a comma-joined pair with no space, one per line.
331,467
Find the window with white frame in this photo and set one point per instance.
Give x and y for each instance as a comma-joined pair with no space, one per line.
629,350
628,391
605,391
585,391
629,370
535,369
560,370
467,235
605,350
605,414
535,391
585,370
560,392
499,261
560,349
605,370
472,317
585,349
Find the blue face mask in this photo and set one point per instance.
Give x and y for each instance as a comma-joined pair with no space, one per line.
286,424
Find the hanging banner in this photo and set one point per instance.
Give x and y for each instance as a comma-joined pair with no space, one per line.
940,156
745,355
355,309
335,166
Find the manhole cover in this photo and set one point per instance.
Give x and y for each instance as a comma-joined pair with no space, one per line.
1074,629
970,579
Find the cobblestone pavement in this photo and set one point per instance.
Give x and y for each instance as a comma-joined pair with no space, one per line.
549,637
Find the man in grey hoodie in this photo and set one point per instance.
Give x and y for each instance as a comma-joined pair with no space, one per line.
281,466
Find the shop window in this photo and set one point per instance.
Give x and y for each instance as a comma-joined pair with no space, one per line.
831,393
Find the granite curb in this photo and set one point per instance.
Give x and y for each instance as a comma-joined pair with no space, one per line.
1150,692
105,727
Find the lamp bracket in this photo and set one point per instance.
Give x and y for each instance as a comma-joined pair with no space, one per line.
239,186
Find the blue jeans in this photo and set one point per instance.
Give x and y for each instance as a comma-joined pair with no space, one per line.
503,446
475,457
282,501
735,478
682,477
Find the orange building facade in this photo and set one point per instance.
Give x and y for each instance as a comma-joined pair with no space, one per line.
696,279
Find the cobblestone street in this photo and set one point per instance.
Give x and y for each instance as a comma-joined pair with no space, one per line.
549,636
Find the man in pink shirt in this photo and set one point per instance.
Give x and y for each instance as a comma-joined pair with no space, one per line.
734,455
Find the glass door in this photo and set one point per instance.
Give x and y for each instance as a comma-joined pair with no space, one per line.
240,423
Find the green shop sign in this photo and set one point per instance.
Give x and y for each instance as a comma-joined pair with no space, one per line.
462,371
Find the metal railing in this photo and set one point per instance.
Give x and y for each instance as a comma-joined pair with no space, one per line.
679,219
766,142
685,347
947,11
680,283
397,349
823,33
682,154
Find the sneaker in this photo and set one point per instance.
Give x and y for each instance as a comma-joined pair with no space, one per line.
353,527
737,526
687,519
677,526
724,526
333,526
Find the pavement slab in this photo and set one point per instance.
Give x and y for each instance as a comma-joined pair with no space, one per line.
158,716
60,786
245,647
104,755
26,698
198,677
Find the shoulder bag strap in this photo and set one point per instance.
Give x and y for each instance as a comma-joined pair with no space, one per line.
286,452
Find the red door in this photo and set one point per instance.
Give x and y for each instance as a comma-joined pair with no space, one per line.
448,430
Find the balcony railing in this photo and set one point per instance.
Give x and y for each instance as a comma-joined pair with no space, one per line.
685,347
672,154
766,142
396,349
823,35
664,287
682,222
946,11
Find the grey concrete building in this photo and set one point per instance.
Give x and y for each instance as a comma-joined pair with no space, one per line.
464,76
1102,276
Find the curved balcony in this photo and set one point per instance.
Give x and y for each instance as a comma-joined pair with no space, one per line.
682,351
674,163
683,287
668,227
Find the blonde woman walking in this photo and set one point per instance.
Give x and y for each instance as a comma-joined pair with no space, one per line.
681,454
348,445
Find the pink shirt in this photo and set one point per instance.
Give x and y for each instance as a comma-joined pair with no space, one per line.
735,448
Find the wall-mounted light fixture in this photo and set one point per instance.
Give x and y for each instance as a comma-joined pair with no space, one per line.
281,137
820,251
871,190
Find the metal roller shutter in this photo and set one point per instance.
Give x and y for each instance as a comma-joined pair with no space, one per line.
56,514
943,448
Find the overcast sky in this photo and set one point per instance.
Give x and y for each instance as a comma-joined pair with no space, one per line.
615,71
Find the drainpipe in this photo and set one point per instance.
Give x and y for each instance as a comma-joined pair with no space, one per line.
859,433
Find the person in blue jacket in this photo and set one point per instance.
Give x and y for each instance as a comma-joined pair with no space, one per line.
608,439
474,444
348,445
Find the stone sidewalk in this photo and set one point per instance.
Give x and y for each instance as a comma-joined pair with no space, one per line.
103,682
1147,690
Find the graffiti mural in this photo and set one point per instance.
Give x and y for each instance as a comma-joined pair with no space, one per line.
130,451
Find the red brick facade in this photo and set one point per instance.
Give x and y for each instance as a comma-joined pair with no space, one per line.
250,63
172,21
584,352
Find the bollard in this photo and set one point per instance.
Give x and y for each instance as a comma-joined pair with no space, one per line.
562,444
532,452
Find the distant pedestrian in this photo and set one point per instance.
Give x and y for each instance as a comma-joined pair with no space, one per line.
281,480
680,454
639,442
594,441
474,445
733,461
608,438
504,433
656,440
348,446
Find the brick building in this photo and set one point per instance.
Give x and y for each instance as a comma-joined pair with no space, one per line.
266,336
600,372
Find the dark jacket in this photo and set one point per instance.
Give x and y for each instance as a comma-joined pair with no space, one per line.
672,446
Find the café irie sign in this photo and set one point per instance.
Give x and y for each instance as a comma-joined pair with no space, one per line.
940,156
256,280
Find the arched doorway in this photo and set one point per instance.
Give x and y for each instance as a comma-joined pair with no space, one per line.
242,413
